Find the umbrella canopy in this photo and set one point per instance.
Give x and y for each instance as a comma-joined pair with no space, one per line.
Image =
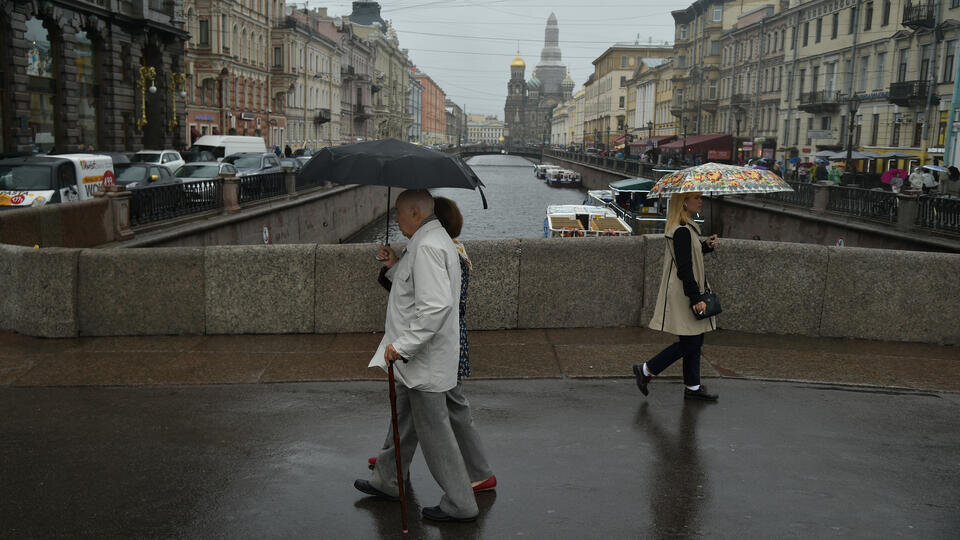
937,168
897,155
794,160
719,179
393,163
824,154
888,176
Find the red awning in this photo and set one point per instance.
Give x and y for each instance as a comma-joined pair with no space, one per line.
619,139
701,143
655,141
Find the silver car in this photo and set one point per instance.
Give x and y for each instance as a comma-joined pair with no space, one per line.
248,163
195,178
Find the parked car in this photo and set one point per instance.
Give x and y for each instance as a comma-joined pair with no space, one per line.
293,163
225,145
170,159
141,175
303,160
193,176
38,180
117,157
303,152
248,163
193,156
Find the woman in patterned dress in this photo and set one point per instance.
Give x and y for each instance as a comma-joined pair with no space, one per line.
461,417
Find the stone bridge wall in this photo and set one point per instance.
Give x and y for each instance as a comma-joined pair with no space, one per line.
765,287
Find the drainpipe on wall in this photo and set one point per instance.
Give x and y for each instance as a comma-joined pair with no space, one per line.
948,151
932,77
790,86
756,86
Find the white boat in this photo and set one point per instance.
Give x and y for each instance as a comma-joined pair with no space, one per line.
570,220
599,197
563,177
542,170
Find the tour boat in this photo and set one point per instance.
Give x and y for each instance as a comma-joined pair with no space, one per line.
563,177
571,220
540,171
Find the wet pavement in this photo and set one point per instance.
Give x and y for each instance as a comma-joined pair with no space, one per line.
575,458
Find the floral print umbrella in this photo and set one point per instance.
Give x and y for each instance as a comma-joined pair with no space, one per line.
719,179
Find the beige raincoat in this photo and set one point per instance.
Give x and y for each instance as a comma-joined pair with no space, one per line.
673,313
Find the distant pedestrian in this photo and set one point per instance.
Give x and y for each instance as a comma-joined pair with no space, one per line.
287,151
276,150
679,299
916,179
951,184
929,181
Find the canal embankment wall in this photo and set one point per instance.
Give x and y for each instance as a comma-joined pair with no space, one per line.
765,287
320,215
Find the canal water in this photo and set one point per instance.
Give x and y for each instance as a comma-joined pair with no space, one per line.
516,198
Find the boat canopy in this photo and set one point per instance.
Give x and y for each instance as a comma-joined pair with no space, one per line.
632,184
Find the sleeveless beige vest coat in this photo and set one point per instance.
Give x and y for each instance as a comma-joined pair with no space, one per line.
673,313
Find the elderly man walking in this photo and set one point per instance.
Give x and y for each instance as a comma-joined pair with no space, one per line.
422,337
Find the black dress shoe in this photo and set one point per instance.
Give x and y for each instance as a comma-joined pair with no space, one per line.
642,380
434,513
700,393
365,487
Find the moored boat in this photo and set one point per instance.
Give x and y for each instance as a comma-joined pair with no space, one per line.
570,220
563,177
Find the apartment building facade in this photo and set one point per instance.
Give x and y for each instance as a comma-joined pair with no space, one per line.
434,115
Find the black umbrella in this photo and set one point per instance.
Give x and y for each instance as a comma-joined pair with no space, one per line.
391,163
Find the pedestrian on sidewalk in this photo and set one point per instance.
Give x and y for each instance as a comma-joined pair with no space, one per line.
680,298
461,417
421,339
287,151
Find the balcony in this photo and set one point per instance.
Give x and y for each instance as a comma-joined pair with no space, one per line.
820,101
741,99
676,108
919,15
363,112
911,93
347,72
322,117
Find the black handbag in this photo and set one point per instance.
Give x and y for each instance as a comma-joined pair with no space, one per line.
712,301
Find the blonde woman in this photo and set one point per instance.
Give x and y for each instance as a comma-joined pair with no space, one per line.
679,298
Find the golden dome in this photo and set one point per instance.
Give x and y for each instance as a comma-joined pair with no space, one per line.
518,62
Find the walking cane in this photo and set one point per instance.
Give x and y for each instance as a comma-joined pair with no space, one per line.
396,446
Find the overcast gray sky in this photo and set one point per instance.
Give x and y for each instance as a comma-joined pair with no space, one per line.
466,45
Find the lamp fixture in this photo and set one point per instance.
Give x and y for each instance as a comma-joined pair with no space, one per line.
147,73
176,81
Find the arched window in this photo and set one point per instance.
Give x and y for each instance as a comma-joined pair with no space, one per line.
242,53
236,41
192,26
88,89
41,86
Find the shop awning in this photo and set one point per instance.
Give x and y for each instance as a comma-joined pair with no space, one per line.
698,144
619,139
654,141
632,184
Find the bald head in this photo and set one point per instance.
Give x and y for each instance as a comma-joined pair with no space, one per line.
413,206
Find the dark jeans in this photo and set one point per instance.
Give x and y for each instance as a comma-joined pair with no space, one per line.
687,348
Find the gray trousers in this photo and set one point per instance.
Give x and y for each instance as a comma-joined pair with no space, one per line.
441,423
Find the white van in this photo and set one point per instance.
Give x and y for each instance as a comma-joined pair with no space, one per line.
39,180
224,145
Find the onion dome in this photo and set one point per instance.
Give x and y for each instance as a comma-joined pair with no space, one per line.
518,62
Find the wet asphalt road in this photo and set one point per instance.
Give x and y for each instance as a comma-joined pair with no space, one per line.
575,459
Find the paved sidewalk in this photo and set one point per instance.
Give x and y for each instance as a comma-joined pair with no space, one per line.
575,459
507,354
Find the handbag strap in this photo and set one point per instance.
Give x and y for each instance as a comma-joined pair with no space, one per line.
706,282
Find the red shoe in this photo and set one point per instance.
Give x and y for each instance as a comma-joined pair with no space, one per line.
489,484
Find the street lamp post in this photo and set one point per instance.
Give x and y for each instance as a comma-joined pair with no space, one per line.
683,149
649,131
853,103
626,141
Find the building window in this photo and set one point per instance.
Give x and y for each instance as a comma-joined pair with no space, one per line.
948,61
895,135
864,70
623,81
902,67
809,129
278,57
856,129
917,133
683,31
717,12
88,89
885,20
806,33
622,99
204,32
623,61
835,28
925,51
780,78
881,61
824,123
819,29
868,17
712,90
714,48
786,131
41,86
802,81
853,19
